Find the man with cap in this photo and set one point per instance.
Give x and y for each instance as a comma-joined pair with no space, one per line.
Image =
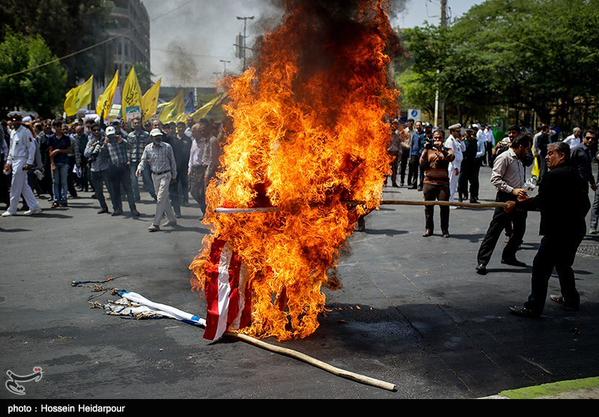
99,165
138,139
455,144
159,156
118,172
20,159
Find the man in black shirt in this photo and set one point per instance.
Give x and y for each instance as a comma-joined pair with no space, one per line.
564,203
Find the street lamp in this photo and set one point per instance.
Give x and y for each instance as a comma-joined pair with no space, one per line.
225,62
244,45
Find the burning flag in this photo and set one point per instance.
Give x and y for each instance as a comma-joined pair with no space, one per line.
309,137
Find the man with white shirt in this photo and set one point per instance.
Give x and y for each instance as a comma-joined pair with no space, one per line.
159,156
198,162
21,157
489,139
455,144
575,139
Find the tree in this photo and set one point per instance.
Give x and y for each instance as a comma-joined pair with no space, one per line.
66,25
540,55
41,89
144,77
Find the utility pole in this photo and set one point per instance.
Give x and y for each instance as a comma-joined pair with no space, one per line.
225,62
444,20
243,46
440,104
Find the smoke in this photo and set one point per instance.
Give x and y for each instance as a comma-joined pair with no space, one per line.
200,33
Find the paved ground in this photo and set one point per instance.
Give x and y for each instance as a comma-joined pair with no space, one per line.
412,312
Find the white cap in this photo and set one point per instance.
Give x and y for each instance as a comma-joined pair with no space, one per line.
455,127
27,119
156,132
110,131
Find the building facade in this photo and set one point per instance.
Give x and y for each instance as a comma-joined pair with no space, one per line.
129,21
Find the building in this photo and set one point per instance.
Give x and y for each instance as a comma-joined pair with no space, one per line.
129,21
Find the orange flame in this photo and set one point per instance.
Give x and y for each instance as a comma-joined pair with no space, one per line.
309,136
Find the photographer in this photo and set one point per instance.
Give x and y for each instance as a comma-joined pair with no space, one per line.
435,162
99,163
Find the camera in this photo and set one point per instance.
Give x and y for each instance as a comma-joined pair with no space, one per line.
429,143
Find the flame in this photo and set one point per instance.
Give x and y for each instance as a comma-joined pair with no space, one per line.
309,136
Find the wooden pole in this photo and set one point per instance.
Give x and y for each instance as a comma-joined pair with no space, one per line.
481,206
443,204
315,362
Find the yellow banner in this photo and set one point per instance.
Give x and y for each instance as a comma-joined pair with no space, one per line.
149,102
104,104
536,168
131,97
206,108
173,109
79,97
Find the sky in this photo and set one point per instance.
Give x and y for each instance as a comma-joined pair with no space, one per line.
203,32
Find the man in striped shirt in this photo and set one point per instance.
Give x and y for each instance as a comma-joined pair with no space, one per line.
159,156
509,177
118,172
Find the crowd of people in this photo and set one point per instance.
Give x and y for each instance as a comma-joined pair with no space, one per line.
448,168
564,176
55,160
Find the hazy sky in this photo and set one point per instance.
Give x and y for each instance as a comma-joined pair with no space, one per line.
206,31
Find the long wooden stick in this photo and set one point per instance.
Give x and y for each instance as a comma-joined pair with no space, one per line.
443,204
317,363
222,210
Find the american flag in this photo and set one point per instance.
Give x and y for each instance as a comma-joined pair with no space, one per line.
227,292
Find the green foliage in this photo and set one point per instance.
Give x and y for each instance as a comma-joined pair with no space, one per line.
42,89
520,54
66,25
144,76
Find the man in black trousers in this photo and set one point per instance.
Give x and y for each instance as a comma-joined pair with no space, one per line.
509,177
564,203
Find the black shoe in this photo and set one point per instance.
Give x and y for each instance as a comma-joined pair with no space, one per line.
481,269
560,300
446,235
395,185
420,189
117,213
474,201
524,312
428,233
103,211
513,262
135,214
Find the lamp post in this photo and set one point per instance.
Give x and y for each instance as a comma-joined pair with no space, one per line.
225,62
244,45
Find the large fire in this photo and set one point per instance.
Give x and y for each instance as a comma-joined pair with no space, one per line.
309,137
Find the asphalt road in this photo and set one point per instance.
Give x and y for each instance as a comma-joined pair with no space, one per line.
412,311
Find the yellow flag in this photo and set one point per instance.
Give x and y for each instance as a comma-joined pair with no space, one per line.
131,97
206,108
149,102
79,97
172,109
105,100
536,168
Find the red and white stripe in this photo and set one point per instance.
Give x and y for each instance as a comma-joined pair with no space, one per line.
227,293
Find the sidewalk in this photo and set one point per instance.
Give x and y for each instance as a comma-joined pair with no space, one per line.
580,389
